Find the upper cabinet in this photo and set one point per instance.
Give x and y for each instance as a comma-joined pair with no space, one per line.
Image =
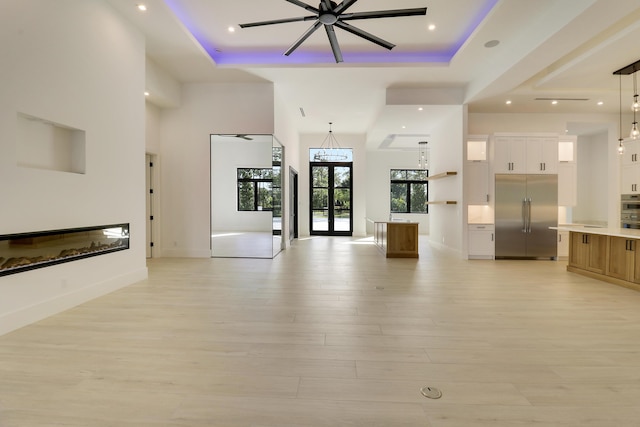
477,170
567,171
477,149
630,168
525,154
510,154
542,155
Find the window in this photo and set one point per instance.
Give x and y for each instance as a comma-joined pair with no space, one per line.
409,191
255,189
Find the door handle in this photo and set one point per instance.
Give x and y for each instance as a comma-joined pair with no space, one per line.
529,215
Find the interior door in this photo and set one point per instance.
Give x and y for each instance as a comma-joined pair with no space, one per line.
331,199
293,204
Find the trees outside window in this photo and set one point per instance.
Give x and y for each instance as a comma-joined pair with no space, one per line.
255,189
409,191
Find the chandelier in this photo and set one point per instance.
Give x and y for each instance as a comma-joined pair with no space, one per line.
330,150
423,155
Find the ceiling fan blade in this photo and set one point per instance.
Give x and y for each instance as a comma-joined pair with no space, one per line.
303,37
384,13
365,35
278,21
327,4
304,5
333,40
346,4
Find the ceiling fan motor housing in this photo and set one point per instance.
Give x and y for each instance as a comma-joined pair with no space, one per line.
327,17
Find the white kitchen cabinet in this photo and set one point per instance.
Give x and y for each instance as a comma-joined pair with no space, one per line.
630,155
563,244
481,241
542,155
509,154
630,178
477,183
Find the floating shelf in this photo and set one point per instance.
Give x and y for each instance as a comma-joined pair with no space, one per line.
443,202
441,175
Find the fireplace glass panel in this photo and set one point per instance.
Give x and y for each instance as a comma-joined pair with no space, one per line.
27,251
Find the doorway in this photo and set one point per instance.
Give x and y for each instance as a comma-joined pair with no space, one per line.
331,195
150,202
293,204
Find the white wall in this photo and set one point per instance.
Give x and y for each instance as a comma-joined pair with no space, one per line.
205,109
152,128
379,165
288,136
358,144
75,63
593,179
446,222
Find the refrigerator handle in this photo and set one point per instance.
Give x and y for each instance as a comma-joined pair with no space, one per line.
524,215
529,215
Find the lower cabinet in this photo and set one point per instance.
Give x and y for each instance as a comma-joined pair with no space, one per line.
623,259
613,259
481,241
563,244
397,239
587,251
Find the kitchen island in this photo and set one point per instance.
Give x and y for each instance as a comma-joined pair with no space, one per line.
608,254
397,239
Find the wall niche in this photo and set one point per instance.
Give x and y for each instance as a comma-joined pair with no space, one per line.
43,144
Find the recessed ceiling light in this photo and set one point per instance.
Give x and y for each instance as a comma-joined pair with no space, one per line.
404,127
492,43
231,29
600,103
508,102
420,108
554,102
142,7
431,27
146,93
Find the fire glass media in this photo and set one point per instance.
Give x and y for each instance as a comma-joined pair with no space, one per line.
27,251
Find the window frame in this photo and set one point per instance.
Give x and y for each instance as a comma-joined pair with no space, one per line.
255,182
408,183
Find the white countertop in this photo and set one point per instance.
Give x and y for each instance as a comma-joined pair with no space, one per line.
617,232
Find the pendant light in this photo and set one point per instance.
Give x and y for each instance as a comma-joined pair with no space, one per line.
620,145
634,126
423,155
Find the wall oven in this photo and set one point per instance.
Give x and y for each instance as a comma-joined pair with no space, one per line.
630,211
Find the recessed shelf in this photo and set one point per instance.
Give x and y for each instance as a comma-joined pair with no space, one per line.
43,144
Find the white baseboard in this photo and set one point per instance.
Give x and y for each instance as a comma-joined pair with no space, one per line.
31,314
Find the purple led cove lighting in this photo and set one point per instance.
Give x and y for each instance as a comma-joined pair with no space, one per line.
489,5
302,57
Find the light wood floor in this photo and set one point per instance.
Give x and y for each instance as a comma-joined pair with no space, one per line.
330,333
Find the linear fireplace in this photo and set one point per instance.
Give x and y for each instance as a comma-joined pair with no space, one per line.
27,251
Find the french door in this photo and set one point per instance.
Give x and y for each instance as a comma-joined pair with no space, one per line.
331,195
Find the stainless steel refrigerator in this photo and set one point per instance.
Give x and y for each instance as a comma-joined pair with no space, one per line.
526,206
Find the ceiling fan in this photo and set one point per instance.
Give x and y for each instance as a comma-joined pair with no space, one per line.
330,14
239,135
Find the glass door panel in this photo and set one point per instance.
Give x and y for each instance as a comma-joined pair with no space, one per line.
331,199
